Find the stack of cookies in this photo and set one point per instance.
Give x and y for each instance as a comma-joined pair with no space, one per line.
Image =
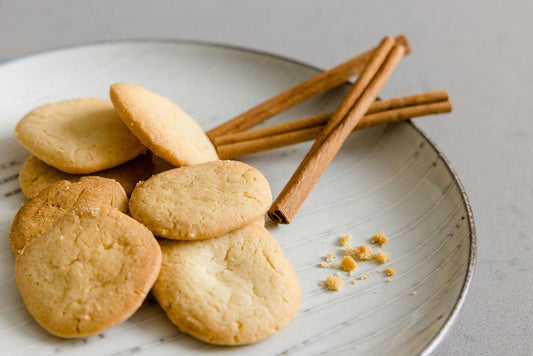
195,235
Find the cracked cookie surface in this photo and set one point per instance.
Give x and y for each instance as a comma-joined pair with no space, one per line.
35,175
41,211
78,136
234,289
91,270
201,201
162,126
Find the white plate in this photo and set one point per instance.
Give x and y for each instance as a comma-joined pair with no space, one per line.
389,178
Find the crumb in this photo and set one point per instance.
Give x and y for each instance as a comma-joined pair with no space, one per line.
413,292
353,282
348,250
366,276
389,280
348,264
376,292
345,239
363,252
382,257
390,271
334,283
379,239
325,264
330,257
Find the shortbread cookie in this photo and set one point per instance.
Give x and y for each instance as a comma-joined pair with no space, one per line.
201,201
41,211
234,289
90,271
35,175
162,126
78,136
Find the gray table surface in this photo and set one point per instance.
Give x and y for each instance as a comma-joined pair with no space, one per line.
481,51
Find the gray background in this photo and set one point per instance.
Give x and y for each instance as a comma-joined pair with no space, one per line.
480,51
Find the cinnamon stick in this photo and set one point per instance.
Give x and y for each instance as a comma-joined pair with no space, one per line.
311,87
320,120
269,142
373,78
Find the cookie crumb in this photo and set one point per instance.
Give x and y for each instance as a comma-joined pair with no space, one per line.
390,271
389,280
330,257
379,239
363,252
382,257
324,264
348,264
334,283
376,292
413,292
353,281
345,239
365,276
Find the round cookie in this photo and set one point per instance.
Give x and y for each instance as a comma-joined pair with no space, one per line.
201,201
230,290
35,175
162,126
91,270
78,136
42,210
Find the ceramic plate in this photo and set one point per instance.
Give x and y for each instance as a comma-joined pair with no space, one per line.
389,178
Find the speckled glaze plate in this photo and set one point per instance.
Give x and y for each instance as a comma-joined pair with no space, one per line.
389,178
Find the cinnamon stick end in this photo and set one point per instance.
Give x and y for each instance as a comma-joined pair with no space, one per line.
278,216
402,40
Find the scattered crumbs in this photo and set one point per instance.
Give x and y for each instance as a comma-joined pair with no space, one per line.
348,264
334,283
390,271
413,292
363,252
345,239
353,281
376,292
389,280
367,275
382,257
379,239
330,257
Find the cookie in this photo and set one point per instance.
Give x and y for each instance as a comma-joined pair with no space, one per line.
78,136
230,290
162,126
201,201
90,271
35,175
41,211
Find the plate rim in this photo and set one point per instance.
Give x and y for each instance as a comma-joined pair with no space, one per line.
472,258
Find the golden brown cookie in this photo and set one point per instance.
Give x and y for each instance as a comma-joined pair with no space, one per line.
35,175
201,201
90,271
41,211
78,136
162,126
230,290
